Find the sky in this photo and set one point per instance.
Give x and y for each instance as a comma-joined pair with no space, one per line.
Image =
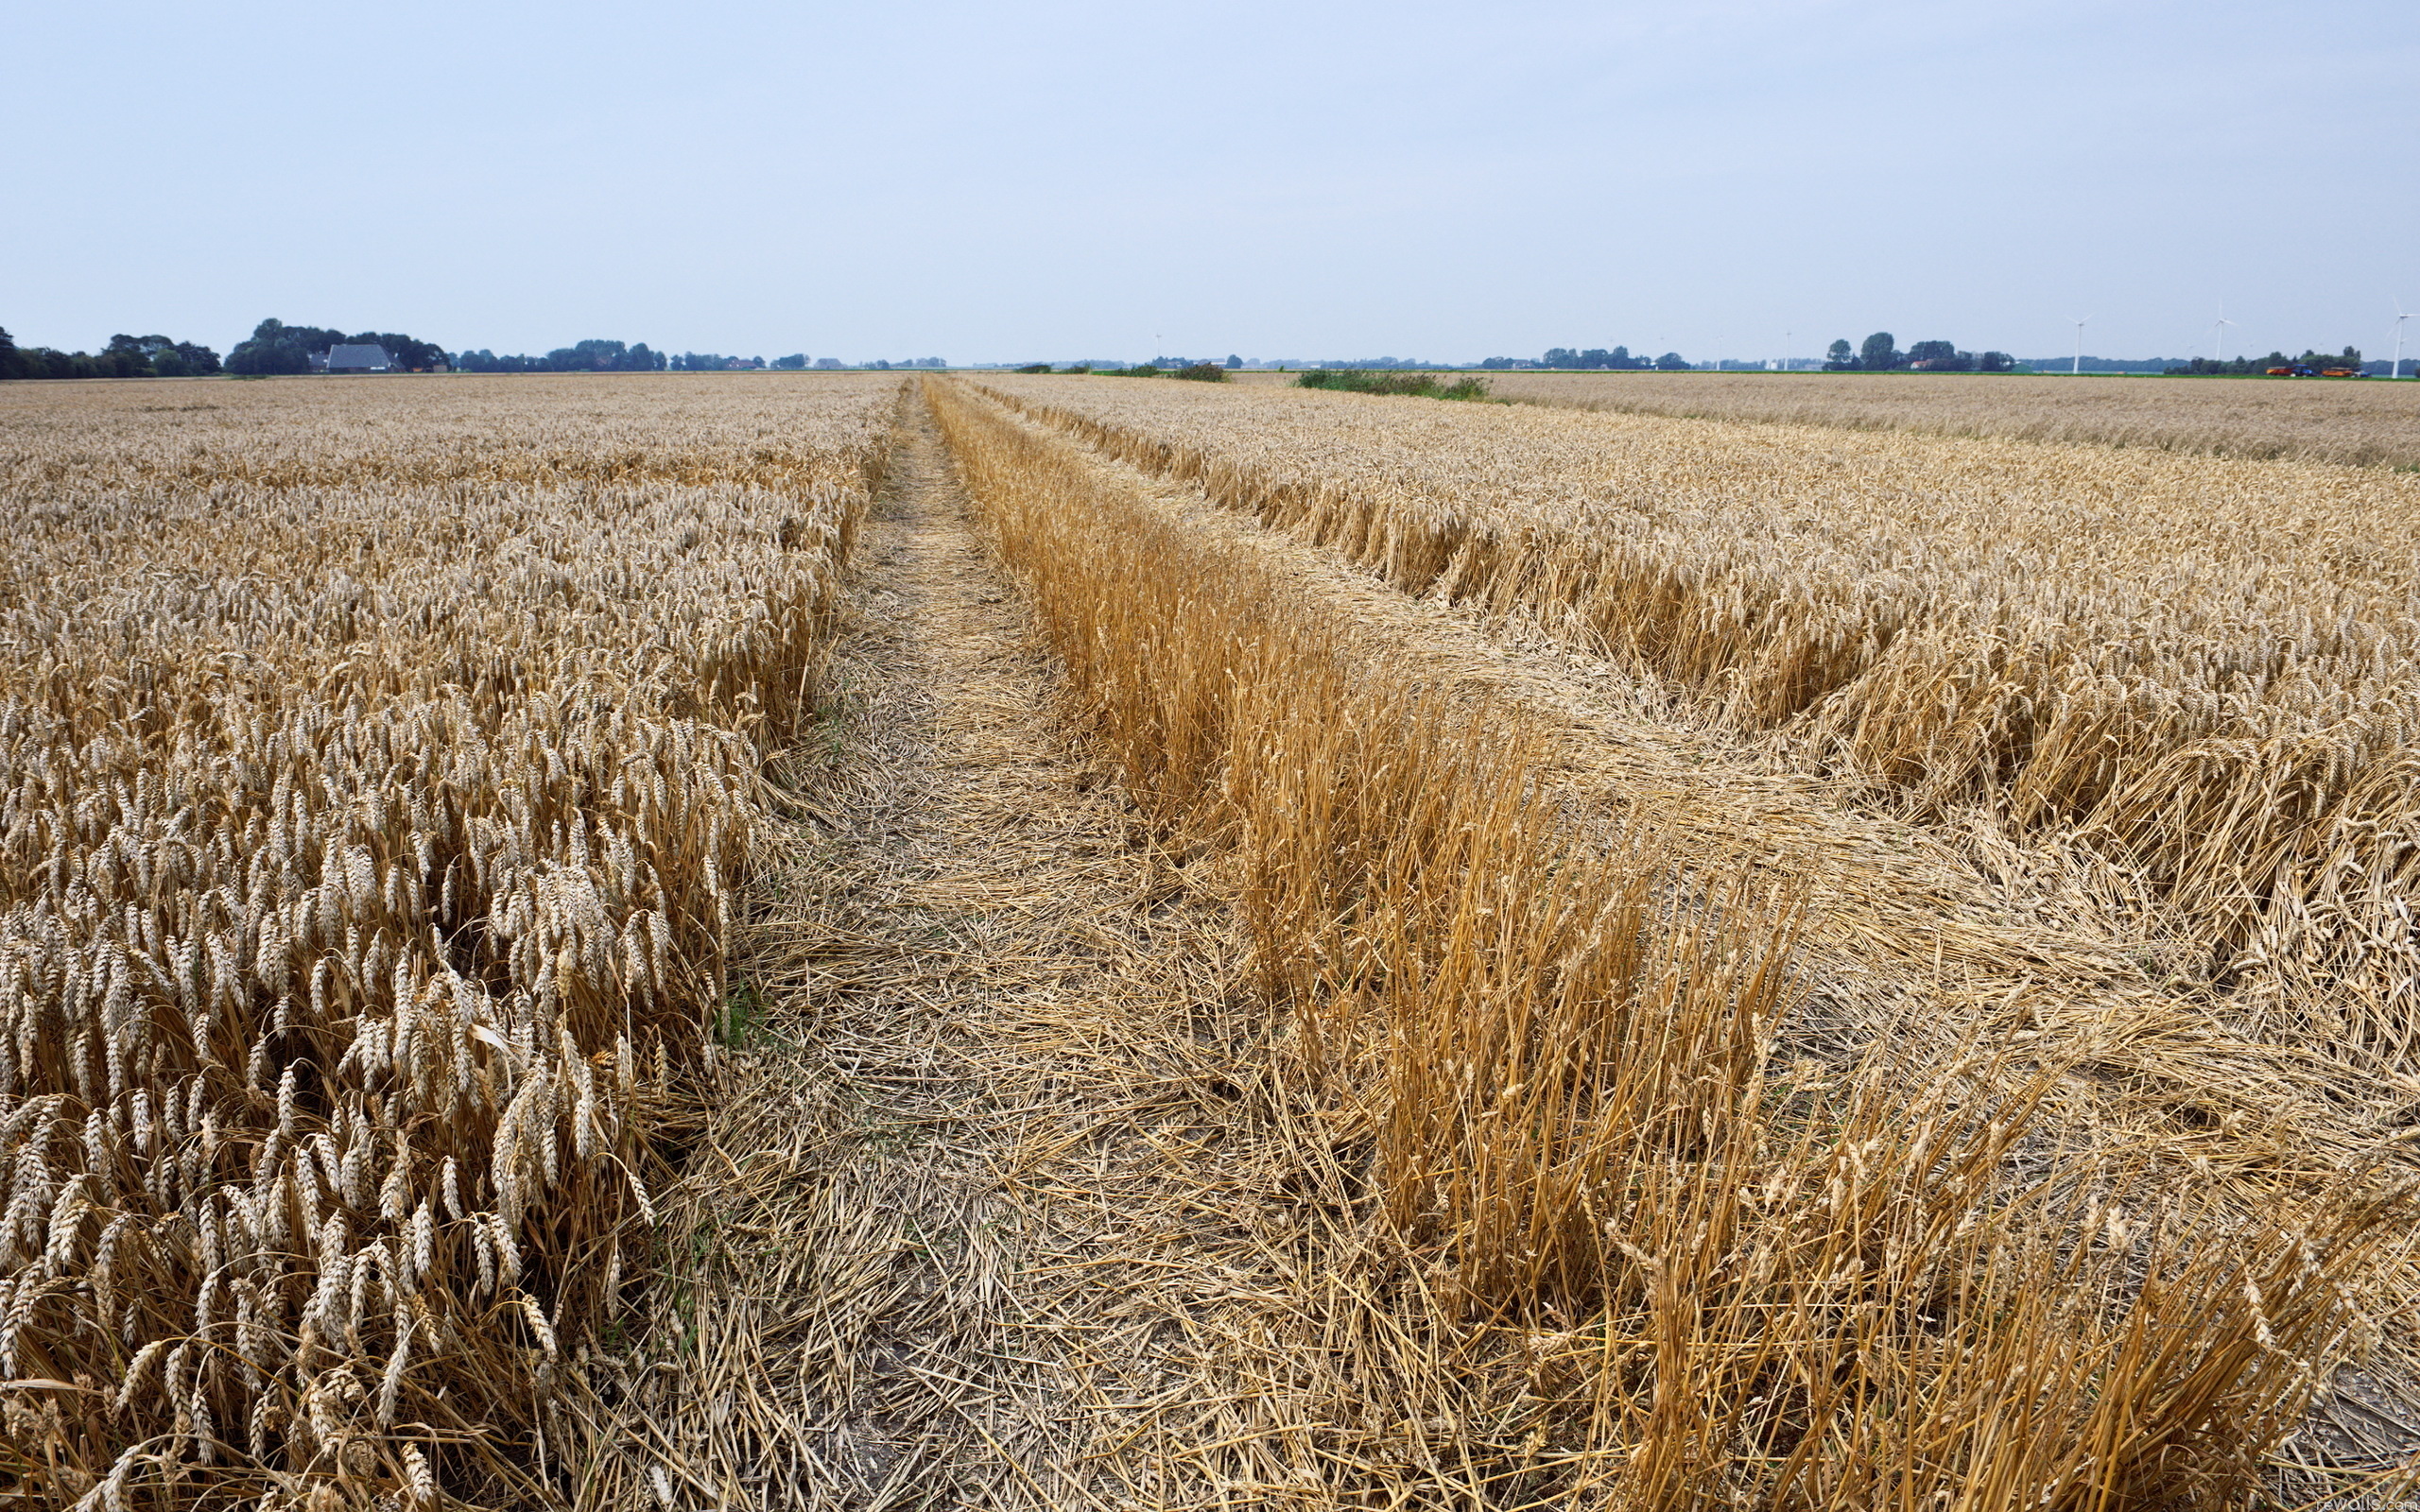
992,182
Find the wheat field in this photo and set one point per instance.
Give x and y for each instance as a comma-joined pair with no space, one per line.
405,785
2358,424
379,769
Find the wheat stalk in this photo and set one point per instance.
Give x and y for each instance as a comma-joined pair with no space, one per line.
373,775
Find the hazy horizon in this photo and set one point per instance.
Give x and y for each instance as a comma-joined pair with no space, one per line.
1439,182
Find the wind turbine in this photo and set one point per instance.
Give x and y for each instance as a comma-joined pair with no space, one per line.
2401,315
2077,371
2221,329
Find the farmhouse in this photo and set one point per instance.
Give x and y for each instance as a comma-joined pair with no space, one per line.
353,358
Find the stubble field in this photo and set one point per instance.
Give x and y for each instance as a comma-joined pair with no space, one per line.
1528,957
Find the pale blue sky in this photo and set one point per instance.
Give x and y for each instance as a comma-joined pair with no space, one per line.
1002,181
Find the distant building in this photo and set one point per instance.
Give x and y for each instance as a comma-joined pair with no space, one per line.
350,357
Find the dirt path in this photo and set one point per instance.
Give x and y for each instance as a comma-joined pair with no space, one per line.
975,1019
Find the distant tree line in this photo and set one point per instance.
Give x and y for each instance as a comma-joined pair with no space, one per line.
2088,363
1881,354
799,360
278,348
1596,358
593,355
1231,362
2245,366
1593,359
124,358
483,360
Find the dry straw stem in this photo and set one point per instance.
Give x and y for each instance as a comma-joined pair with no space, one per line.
377,764
2205,671
2353,424
1560,1158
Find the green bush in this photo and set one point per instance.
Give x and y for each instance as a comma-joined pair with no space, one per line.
1203,372
1421,385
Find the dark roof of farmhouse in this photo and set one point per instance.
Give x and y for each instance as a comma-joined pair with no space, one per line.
351,355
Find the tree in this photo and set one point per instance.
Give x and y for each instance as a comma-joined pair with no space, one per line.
1880,352
1234,362
407,352
186,359
1839,357
486,361
793,362
1672,362
1940,357
593,355
126,356
1995,362
158,357
596,354
1594,358
278,348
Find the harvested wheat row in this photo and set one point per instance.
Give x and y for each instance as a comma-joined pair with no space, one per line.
376,768
1693,1278
2206,671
